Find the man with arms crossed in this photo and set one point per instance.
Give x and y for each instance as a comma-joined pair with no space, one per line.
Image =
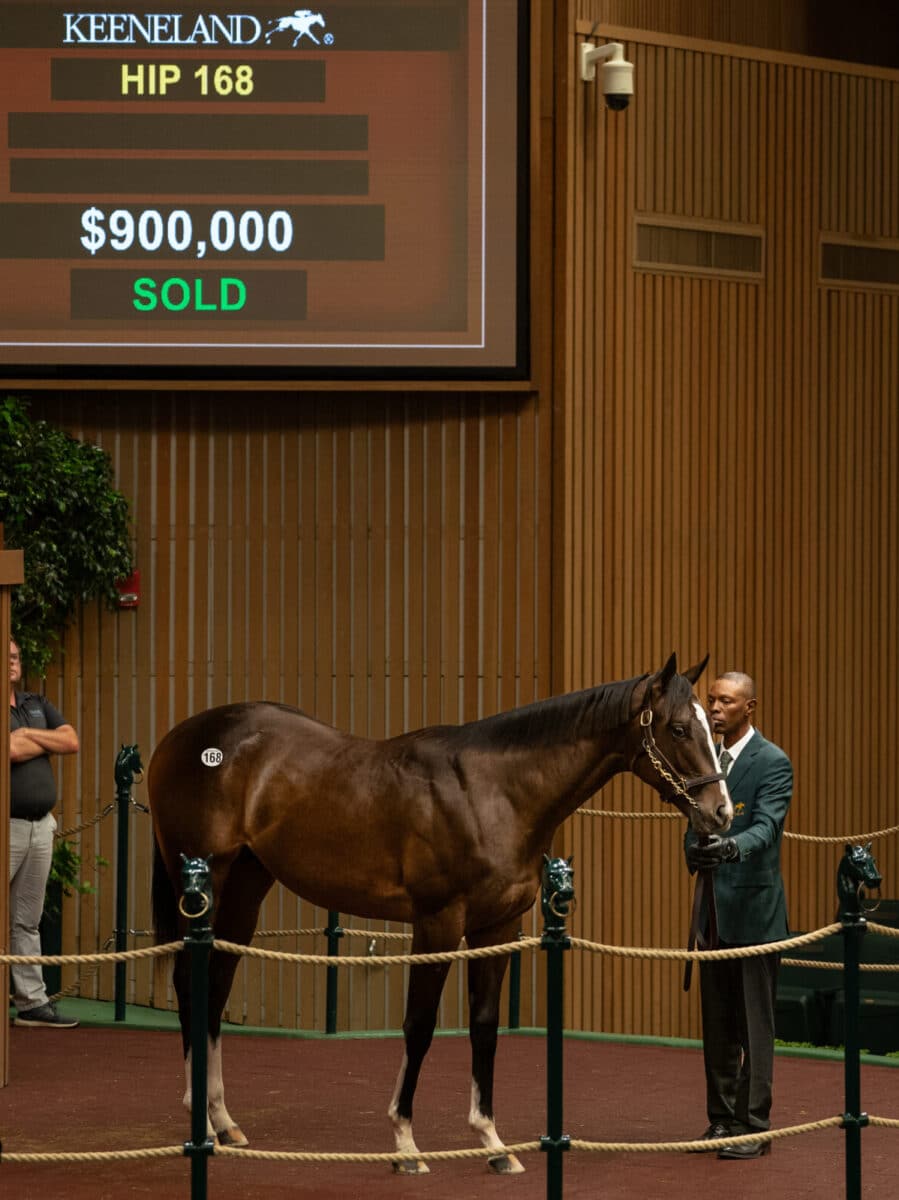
37,730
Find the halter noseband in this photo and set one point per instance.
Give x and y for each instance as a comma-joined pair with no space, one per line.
662,766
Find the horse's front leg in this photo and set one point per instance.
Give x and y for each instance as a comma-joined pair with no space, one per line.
425,987
485,979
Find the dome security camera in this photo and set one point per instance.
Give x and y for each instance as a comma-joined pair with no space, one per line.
617,72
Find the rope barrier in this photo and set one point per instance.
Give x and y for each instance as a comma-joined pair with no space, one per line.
93,1156
368,960
372,934
114,956
803,939
836,965
90,822
311,1156
886,930
770,1135
842,840
443,956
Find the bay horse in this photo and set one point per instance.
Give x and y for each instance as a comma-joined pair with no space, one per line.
444,828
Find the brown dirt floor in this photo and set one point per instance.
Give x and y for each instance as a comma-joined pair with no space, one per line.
103,1089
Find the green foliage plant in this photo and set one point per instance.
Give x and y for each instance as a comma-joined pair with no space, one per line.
58,505
65,873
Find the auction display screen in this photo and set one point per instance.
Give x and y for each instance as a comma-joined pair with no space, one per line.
251,187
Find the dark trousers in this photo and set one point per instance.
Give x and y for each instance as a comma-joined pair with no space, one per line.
738,1039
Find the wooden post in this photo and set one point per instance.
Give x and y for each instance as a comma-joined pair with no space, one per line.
12,571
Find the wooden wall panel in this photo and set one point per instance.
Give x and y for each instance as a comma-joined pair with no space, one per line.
730,455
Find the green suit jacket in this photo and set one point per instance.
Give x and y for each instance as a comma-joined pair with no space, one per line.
750,897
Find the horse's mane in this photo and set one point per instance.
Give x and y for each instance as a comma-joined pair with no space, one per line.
558,719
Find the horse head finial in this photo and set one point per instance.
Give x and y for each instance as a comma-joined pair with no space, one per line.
196,887
857,873
558,889
128,767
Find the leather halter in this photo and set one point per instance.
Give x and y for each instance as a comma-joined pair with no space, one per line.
705,880
682,784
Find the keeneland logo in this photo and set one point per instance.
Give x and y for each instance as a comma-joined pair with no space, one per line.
180,29
300,23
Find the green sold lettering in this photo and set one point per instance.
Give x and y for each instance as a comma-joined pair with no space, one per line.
176,294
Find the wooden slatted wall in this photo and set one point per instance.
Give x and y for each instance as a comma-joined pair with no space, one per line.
376,560
731,450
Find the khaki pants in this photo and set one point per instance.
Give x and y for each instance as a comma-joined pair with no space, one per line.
30,855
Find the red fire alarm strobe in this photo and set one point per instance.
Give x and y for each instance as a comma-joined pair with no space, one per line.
129,590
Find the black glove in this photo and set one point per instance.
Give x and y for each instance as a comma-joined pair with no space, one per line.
717,850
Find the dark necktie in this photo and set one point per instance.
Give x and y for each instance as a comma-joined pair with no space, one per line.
725,758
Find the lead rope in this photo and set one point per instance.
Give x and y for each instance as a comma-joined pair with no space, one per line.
705,889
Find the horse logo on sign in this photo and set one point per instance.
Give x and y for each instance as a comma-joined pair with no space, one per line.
300,23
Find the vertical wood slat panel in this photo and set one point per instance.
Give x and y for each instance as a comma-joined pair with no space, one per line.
754,462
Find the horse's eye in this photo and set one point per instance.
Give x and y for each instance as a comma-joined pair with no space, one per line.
679,731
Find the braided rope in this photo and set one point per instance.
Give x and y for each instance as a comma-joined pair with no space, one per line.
445,956
849,837
88,824
821,964
631,816
58,960
369,960
886,930
311,1156
770,1135
373,934
804,939
95,1156
799,837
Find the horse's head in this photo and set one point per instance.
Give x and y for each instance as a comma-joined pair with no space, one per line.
857,872
675,753
128,768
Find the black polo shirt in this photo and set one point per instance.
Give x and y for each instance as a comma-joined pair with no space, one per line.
32,783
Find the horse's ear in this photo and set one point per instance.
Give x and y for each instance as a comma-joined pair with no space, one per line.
667,673
693,673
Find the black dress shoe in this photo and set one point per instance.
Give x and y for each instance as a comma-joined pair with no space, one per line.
715,1132
745,1150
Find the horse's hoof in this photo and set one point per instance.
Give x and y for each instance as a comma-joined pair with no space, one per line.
232,1137
505,1164
410,1166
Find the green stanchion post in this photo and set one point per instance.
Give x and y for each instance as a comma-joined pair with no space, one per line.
196,905
127,766
857,870
556,897
335,933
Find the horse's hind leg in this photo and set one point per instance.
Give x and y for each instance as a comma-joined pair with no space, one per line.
485,978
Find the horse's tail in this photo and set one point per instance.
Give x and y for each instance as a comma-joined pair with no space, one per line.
165,902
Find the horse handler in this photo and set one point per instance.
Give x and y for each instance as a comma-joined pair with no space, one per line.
738,994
